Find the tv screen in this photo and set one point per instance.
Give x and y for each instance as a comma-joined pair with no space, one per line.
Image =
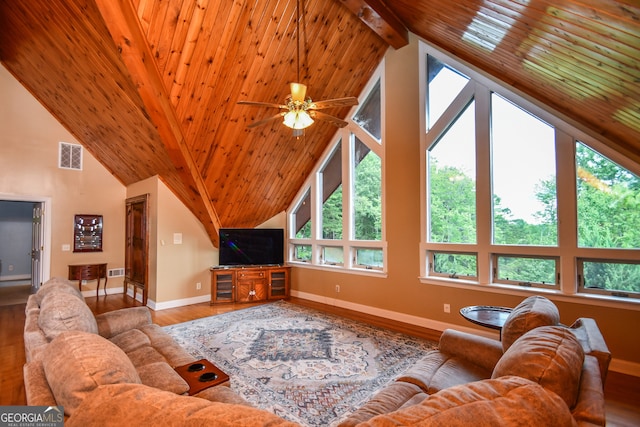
251,246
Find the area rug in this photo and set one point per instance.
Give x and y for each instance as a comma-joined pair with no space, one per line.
306,366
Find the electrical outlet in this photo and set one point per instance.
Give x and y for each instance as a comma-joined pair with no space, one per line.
198,286
447,308
337,288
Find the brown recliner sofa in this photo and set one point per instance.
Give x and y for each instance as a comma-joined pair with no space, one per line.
116,369
571,362
120,362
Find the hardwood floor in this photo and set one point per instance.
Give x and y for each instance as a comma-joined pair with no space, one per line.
622,392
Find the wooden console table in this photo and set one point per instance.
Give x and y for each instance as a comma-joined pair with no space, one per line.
82,272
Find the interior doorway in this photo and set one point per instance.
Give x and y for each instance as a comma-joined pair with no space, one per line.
24,249
136,262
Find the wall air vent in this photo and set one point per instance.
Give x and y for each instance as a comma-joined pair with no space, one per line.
115,272
70,156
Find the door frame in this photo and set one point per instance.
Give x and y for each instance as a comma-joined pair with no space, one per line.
45,254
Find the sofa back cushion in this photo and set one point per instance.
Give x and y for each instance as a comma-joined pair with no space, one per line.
550,356
57,284
61,312
532,312
75,363
508,401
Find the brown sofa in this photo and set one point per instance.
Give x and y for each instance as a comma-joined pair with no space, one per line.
75,359
116,369
567,362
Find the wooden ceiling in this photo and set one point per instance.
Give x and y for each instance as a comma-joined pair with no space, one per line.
150,87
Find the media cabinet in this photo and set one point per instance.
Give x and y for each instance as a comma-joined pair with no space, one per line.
249,284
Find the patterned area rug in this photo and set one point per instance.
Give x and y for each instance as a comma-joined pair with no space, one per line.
303,365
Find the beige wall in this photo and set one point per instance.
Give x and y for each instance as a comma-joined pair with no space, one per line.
401,294
29,138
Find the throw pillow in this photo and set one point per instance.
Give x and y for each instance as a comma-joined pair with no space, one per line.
531,313
550,356
75,363
61,312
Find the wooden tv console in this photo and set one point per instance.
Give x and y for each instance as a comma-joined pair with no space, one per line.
249,284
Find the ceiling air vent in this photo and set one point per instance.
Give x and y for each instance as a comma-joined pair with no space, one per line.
70,156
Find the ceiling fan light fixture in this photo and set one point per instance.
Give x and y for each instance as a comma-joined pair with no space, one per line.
298,91
297,119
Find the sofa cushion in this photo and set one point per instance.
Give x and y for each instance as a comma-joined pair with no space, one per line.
57,284
76,362
130,340
61,312
120,405
162,376
550,356
531,313
508,401
438,371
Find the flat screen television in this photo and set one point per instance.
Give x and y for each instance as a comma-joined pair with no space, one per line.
251,246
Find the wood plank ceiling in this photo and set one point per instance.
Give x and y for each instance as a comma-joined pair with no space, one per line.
150,87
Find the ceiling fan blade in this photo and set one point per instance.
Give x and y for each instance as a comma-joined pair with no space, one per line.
268,119
338,102
327,118
262,104
298,91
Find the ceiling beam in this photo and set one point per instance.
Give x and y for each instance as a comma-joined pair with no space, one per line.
377,16
124,26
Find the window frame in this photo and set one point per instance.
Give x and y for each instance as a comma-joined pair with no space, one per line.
567,252
314,184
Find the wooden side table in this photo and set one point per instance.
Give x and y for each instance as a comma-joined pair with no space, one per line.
82,272
486,315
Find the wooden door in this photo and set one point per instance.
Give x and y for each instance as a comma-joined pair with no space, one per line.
137,246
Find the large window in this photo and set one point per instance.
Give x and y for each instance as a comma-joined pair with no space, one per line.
513,196
337,221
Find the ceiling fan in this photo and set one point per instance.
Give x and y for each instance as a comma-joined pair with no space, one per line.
299,112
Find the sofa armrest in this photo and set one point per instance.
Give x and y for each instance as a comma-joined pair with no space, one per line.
389,399
475,349
593,344
590,405
36,387
115,322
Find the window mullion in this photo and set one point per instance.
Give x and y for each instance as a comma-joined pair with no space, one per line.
348,223
567,210
484,203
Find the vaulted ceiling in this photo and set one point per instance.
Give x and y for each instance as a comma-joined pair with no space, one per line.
150,87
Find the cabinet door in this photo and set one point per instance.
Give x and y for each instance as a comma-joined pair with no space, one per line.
244,290
251,285
260,290
223,286
278,283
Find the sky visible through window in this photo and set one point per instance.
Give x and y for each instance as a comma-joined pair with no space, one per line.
521,140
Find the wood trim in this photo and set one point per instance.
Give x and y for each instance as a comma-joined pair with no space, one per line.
377,16
124,26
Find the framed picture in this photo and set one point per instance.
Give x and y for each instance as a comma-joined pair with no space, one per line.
87,233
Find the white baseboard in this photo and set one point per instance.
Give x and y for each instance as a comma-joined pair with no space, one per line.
617,365
8,278
177,303
92,292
